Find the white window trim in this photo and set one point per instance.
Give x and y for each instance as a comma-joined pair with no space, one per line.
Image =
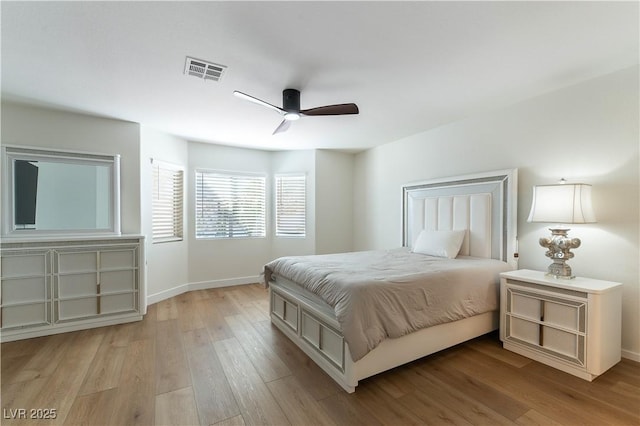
158,165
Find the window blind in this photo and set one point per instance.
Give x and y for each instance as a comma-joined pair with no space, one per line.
291,206
230,205
167,210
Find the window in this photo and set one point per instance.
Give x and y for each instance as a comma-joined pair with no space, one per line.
291,206
230,205
167,202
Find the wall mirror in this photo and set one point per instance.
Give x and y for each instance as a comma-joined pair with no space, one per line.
59,193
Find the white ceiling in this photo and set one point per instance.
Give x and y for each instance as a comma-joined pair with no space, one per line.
410,66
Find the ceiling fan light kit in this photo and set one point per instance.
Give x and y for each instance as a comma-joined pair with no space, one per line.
291,108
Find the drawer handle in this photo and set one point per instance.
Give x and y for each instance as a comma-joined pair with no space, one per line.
541,333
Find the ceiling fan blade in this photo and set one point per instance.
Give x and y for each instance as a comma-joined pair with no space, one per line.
283,127
257,101
340,109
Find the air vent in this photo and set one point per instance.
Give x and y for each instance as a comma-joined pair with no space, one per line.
203,69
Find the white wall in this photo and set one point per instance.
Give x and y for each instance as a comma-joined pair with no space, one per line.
585,133
25,125
334,202
215,262
167,262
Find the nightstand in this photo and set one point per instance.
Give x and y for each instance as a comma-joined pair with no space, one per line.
572,325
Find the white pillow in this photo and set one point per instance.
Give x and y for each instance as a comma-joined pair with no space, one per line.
439,243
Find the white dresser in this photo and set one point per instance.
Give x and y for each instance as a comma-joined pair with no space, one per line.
52,286
572,325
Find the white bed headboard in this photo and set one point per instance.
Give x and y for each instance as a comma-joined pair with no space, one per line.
484,204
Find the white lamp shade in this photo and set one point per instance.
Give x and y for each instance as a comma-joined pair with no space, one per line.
563,203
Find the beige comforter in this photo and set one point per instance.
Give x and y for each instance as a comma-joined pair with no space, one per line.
390,293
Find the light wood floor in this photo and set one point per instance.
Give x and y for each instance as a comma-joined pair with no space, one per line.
211,357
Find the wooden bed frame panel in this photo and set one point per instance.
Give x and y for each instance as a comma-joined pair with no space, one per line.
317,332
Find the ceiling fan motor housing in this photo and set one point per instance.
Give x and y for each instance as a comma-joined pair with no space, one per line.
291,100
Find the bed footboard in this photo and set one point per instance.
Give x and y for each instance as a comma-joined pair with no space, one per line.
317,334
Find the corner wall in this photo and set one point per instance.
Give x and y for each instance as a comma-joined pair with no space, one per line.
167,262
334,201
585,133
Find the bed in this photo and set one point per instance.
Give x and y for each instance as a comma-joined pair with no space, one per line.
358,314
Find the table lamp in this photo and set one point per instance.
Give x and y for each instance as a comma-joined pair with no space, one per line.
562,204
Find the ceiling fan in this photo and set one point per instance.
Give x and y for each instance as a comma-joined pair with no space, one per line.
291,108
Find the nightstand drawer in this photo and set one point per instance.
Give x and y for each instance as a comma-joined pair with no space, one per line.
566,345
522,330
567,314
542,307
524,304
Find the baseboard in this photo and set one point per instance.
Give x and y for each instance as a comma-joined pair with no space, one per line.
633,356
200,285
203,285
167,294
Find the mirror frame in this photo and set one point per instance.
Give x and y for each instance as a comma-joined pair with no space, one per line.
12,153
